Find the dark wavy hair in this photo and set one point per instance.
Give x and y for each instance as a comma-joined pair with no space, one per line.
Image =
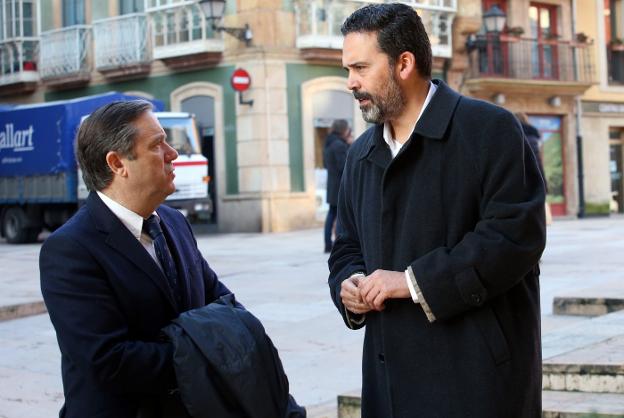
399,29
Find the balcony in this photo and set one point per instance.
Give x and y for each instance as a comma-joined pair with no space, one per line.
121,46
18,65
64,60
551,66
181,38
318,25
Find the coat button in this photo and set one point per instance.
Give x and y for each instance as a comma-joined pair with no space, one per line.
382,358
476,298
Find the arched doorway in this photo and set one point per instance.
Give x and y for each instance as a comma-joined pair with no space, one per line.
205,101
325,99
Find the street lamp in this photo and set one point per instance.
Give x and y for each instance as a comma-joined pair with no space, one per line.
494,19
213,10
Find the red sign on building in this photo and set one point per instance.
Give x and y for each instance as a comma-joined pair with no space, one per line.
241,80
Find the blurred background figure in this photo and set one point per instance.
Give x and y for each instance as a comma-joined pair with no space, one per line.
334,156
533,138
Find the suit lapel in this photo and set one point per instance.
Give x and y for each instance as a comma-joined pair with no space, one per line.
126,245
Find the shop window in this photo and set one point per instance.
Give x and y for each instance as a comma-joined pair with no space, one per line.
550,129
616,169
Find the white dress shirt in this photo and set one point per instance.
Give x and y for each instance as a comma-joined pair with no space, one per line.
395,146
134,222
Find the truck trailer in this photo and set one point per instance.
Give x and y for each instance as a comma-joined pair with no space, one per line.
40,183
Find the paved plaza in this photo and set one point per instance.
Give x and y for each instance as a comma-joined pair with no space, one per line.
281,278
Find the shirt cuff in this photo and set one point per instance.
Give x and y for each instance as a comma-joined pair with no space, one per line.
354,319
410,286
421,299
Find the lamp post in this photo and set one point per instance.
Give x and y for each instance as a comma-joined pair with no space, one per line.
213,10
494,20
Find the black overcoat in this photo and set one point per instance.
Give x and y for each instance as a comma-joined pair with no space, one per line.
334,156
461,206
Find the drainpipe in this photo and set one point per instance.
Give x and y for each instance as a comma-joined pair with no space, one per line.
579,136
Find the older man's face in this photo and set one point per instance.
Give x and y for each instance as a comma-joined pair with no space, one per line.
151,172
371,78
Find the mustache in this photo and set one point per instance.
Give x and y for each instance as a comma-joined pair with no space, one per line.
362,96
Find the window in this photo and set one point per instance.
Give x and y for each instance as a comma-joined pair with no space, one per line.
544,52
73,12
130,6
16,19
614,38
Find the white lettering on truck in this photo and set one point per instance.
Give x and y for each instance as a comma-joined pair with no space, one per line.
19,140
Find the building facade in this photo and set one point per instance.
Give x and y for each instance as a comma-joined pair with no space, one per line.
602,121
266,158
538,63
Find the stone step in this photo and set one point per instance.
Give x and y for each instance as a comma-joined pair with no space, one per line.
597,368
349,405
21,310
586,306
325,410
582,405
554,405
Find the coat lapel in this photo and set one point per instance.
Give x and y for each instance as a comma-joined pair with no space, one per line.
126,245
376,151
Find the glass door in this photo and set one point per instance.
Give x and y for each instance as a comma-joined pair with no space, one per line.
550,129
544,50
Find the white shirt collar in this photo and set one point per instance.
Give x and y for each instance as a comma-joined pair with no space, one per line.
394,145
133,221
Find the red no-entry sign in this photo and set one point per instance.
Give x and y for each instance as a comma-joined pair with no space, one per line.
241,80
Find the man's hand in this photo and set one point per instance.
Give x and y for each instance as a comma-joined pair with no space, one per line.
382,285
351,297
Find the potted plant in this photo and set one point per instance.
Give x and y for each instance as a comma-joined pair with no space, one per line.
515,31
616,44
582,38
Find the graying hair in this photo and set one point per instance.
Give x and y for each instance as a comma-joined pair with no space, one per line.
109,128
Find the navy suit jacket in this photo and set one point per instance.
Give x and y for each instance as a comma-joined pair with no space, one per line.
108,300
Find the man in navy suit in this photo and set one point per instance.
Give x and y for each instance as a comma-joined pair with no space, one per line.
110,284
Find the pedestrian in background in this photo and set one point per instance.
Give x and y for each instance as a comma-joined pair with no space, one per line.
334,156
442,228
533,136
121,269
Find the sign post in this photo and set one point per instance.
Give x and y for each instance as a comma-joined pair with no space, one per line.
241,80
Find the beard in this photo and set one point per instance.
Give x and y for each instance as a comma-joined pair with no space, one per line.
384,106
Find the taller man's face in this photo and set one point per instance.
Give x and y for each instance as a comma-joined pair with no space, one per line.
371,78
151,171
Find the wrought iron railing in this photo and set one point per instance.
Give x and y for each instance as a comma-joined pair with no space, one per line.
529,59
18,60
180,28
121,41
318,22
65,52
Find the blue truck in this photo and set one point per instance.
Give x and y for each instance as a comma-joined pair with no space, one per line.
40,185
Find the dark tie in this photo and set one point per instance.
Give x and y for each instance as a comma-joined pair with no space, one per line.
152,226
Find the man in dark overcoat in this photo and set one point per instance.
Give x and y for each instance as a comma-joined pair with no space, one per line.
334,157
121,269
442,213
